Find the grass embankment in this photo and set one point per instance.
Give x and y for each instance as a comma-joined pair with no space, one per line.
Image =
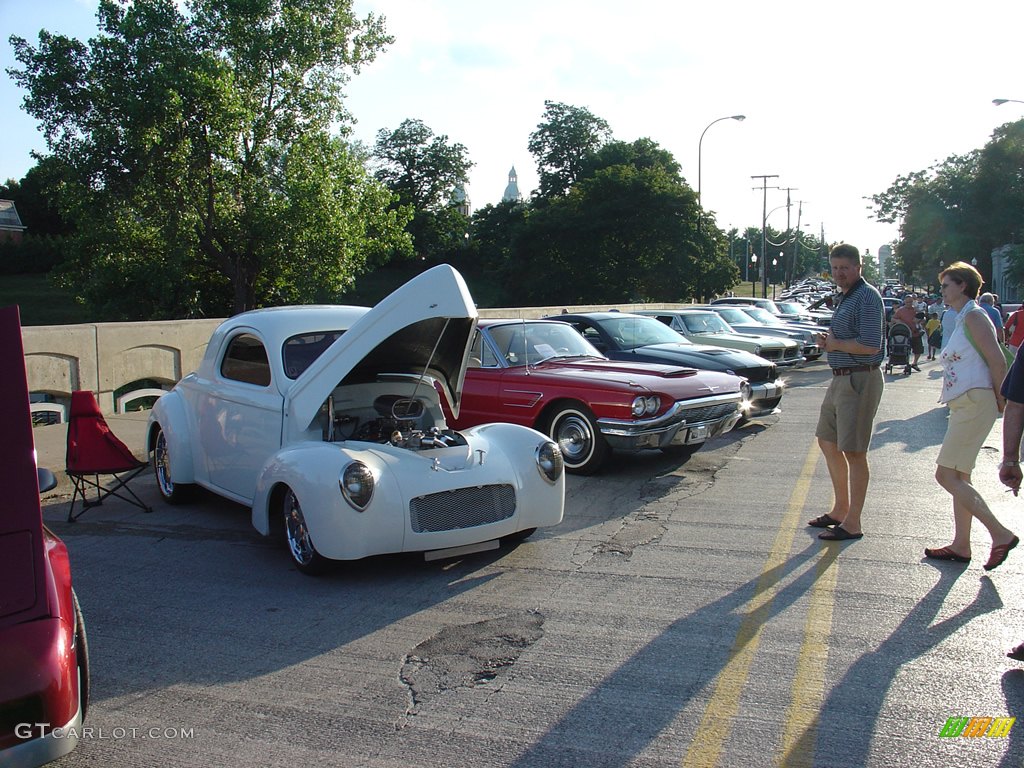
40,301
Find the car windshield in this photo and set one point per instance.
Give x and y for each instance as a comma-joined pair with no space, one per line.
533,342
705,322
734,316
631,332
790,308
763,316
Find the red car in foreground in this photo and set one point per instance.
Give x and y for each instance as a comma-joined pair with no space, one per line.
44,659
543,374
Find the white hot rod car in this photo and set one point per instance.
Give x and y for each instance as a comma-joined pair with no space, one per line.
327,422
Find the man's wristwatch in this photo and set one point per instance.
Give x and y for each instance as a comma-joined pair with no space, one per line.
1009,464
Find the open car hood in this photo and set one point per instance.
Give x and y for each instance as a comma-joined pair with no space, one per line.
424,327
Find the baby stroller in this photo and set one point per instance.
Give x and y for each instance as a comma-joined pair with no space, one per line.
898,346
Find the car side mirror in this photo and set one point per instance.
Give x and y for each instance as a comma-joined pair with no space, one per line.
47,480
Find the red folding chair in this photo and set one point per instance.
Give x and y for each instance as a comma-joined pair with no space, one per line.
93,450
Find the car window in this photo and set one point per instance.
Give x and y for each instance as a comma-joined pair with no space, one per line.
705,323
632,332
246,360
481,355
533,342
763,316
300,351
733,316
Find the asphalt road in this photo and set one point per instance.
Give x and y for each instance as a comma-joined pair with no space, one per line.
682,615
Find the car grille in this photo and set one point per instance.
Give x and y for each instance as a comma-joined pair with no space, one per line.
758,375
709,412
792,354
771,354
462,508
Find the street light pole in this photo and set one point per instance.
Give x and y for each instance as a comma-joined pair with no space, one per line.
999,102
700,147
700,210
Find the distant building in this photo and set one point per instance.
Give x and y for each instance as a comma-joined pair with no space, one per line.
460,200
11,227
512,192
884,257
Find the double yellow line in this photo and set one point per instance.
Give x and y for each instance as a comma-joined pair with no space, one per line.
800,725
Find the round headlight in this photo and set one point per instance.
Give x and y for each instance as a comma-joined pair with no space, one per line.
549,460
652,404
639,406
357,485
757,349
746,391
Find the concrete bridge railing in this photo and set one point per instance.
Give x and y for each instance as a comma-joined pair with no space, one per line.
120,362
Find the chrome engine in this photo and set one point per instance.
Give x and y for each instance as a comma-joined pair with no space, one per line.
398,421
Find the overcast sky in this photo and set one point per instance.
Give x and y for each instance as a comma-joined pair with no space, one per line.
840,99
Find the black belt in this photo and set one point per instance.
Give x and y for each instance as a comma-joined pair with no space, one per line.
854,369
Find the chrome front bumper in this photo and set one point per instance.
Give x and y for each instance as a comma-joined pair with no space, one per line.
768,390
685,423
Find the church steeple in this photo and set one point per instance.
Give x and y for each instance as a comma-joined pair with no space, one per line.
460,200
512,190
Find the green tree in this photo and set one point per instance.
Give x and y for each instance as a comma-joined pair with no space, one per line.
35,198
203,173
623,233
422,170
959,209
563,141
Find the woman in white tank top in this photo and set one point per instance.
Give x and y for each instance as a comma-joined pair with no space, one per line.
973,368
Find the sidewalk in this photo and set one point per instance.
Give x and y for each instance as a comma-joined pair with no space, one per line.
51,444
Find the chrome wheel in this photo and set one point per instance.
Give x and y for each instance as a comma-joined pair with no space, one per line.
173,493
300,542
583,448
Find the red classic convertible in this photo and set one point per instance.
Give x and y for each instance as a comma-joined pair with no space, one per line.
44,659
544,374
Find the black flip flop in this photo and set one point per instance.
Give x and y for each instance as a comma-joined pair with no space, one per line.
823,521
839,534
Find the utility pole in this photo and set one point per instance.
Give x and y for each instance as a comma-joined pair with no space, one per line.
764,222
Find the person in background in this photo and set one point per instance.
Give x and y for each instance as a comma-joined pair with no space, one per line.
1013,329
973,368
948,321
933,330
908,314
988,303
846,419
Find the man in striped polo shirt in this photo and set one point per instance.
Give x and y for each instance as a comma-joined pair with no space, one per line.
854,346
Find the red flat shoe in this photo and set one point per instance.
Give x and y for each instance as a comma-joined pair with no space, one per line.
945,553
999,553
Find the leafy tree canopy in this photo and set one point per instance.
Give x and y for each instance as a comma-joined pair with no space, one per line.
959,209
202,172
422,170
563,141
420,167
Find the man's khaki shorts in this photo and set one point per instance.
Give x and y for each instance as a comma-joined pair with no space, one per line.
848,411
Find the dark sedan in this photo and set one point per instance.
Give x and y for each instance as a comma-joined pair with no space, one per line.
636,338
